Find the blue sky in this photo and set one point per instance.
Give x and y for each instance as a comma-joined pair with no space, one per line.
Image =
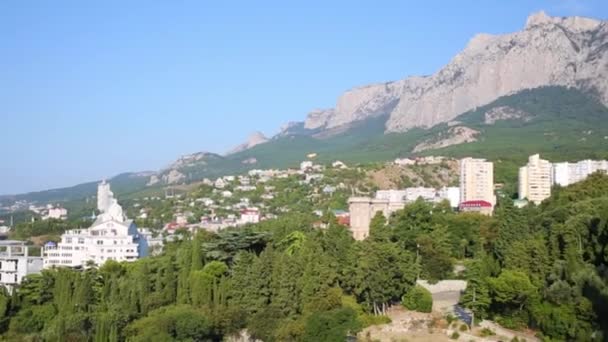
91,89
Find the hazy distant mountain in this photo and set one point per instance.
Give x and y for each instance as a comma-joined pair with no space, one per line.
550,51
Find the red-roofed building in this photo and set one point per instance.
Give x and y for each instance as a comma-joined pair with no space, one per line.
478,206
250,215
344,220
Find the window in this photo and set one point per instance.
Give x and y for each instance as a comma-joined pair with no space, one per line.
100,242
80,240
68,240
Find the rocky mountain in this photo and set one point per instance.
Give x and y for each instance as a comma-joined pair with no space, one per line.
254,139
540,90
549,51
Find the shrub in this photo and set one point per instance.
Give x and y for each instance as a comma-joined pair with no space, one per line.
485,332
464,327
418,299
455,335
368,320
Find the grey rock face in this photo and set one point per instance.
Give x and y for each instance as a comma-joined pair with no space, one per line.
453,136
550,51
254,139
504,113
356,104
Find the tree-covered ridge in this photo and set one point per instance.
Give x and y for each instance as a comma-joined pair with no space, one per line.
539,267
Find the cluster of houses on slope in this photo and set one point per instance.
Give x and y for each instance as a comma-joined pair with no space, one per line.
241,210
113,236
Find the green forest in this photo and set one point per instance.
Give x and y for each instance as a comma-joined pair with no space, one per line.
541,267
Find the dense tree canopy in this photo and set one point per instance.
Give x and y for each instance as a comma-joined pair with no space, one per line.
539,267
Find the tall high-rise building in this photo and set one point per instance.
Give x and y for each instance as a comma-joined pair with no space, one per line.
477,180
535,179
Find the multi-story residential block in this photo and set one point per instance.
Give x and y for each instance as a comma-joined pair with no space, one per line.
363,209
15,263
477,180
565,174
535,179
111,237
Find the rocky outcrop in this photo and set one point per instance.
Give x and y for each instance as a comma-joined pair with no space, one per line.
189,159
153,180
256,138
453,136
504,113
550,51
356,104
173,177
176,172
318,118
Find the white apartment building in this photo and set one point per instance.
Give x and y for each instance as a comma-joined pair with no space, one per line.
450,193
15,263
565,174
414,193
396,196
535,179
111,237
57,213
477,180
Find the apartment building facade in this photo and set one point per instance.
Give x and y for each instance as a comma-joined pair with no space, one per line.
535,179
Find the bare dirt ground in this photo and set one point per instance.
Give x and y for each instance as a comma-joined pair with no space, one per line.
394,176
407,326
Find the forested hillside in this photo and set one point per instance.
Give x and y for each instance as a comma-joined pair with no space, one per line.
543,268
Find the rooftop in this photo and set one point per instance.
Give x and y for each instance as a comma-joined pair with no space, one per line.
12,243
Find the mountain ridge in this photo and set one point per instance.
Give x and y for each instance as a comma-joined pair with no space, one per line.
490,66
368,118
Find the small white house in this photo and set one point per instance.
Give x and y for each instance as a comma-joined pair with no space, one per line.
306,165
219,183
249,215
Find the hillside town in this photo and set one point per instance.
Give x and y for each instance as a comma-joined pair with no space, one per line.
238,201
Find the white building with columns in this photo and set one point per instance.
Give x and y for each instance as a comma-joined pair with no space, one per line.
111,237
